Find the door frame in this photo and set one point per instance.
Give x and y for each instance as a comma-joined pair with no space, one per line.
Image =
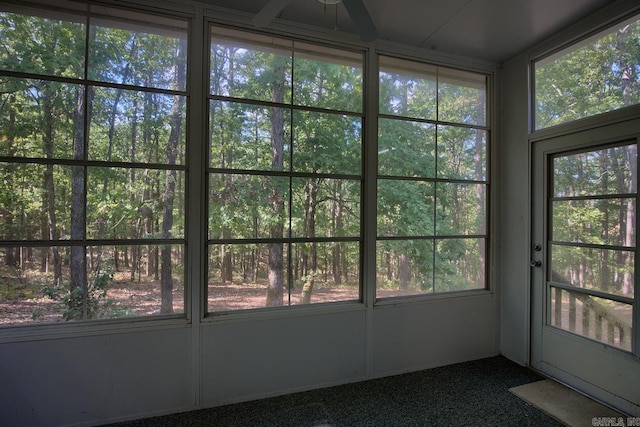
612,363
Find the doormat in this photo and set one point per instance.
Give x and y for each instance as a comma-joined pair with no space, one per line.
566,405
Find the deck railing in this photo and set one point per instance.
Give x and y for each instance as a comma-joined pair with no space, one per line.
583,314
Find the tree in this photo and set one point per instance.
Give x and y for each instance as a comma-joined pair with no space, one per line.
78,271
166,275
276,257
55,196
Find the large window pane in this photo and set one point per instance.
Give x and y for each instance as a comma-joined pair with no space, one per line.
461,209
120,281
327,78
52,46
140,55
598,172
592,317
131,203
595,221
462,153
327,143
289,171
247,206
325,208
134,280
38,118
21,201
432,179
596,75
130,126
239,276
325,272
62,194
405,208
604,270
460,264
243,136
38,201
251,66
408,88
462,97
406,148
404,267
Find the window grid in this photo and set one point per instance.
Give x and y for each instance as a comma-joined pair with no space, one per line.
299,103
413,256
300,287
593,76
83,270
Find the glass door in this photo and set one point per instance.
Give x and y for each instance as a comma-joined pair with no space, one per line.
583,260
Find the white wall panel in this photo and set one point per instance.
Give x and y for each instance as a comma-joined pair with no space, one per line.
242,360
420,335
95,379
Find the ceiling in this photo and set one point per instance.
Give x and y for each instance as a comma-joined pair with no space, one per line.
491,30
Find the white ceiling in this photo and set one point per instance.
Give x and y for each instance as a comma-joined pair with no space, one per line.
491,30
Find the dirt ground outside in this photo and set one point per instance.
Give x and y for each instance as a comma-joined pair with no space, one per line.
26,304
24,301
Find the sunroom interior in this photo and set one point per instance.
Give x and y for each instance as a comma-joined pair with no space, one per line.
216,201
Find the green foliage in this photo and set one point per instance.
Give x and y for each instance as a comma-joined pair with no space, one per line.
74,302
51,192
602,76
592,206
416,160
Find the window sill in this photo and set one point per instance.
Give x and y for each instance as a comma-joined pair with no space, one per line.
422,299
24,333
284,312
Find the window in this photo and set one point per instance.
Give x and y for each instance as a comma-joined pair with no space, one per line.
432,179
284,172
597,75
94,167
92,159
593,242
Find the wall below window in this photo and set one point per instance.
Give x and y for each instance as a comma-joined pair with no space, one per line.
119,376
434,333
95,379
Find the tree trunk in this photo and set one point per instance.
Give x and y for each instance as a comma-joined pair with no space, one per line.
632,156
166,275
479,162
132,262
226,261
337,226
403,272
49,185
603,165
78,271
276,230
6,212
311,201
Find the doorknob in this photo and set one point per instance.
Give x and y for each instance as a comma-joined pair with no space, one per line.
536,263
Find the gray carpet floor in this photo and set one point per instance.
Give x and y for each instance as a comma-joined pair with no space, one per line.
466,394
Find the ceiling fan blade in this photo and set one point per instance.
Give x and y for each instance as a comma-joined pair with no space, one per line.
361,18
269,12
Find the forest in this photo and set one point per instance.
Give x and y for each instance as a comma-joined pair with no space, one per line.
93,176
94,159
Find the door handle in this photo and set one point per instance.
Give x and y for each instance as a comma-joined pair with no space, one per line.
536,263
